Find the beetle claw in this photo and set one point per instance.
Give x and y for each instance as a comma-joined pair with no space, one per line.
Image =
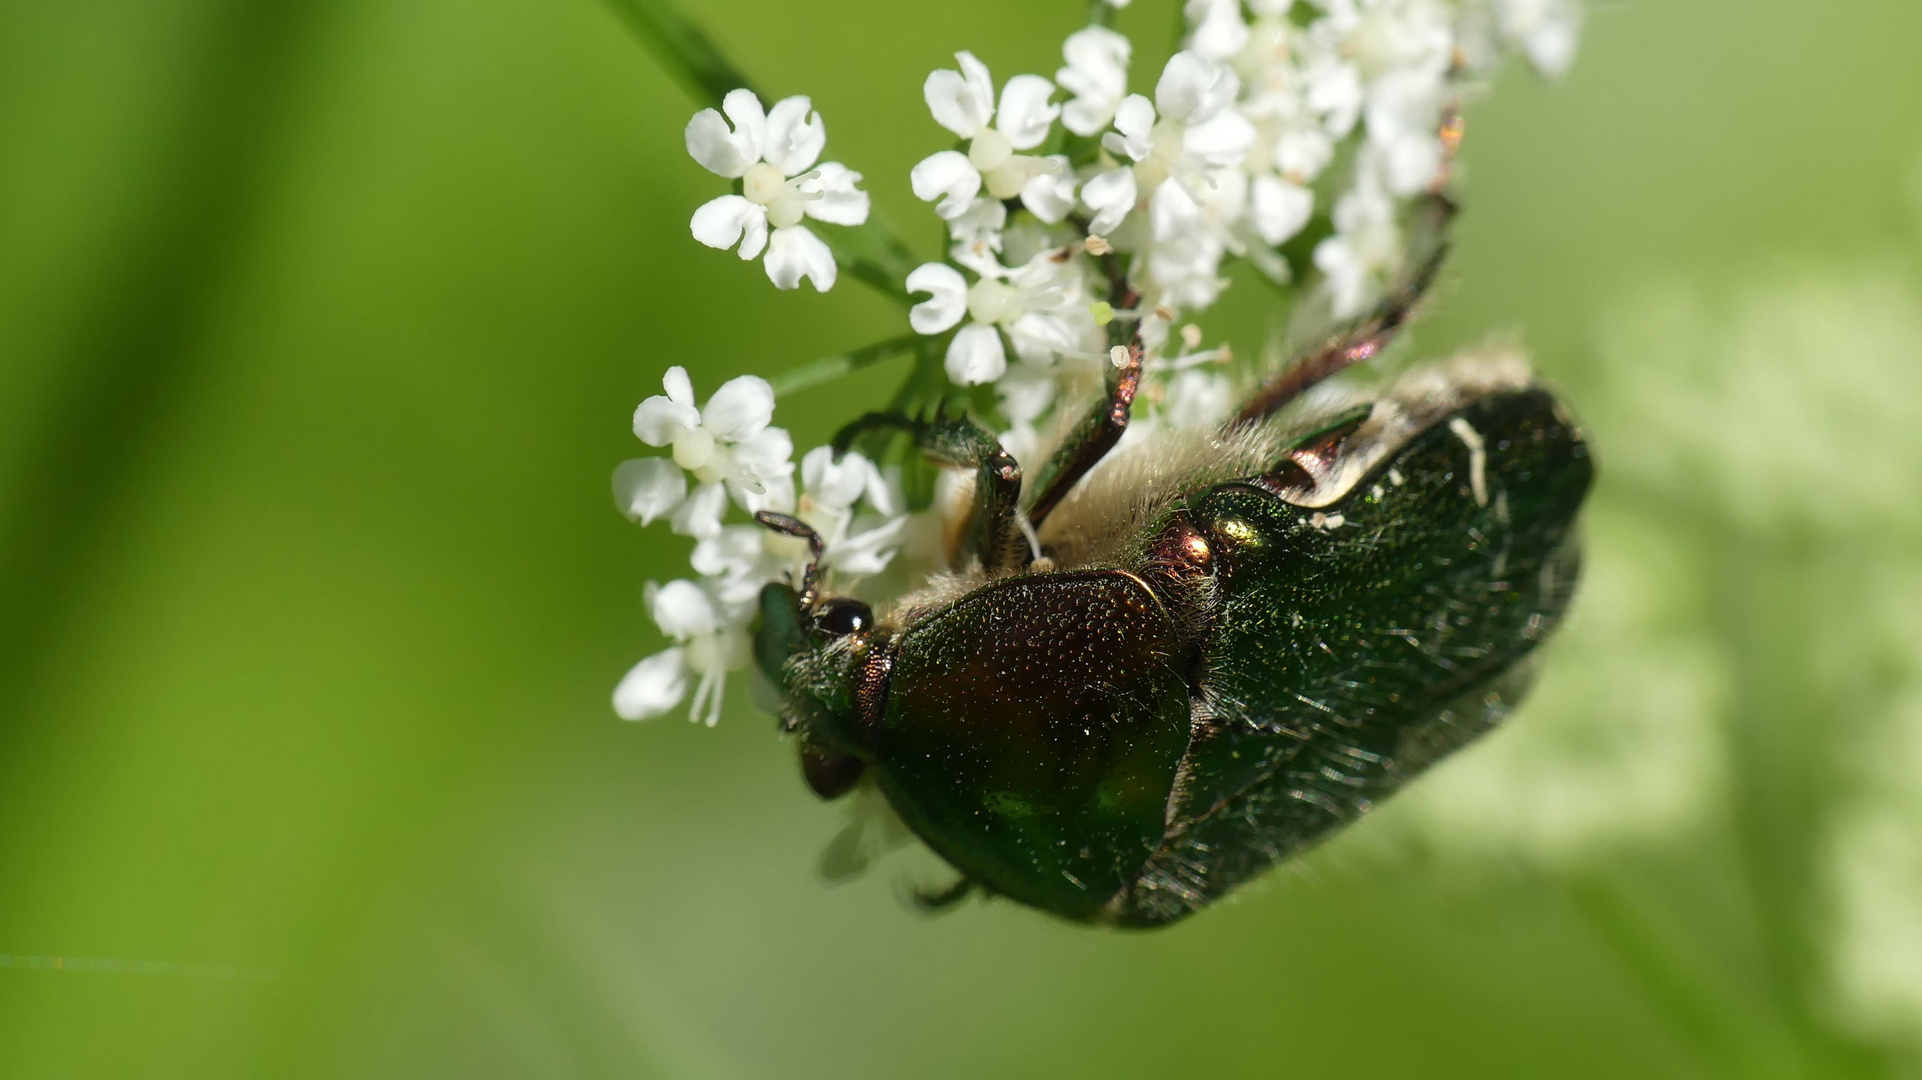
936,901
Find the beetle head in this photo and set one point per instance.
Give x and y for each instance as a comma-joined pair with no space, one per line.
812,648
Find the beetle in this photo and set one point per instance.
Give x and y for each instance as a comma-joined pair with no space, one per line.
1158,678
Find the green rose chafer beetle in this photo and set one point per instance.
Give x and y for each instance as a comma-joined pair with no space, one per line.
1163,676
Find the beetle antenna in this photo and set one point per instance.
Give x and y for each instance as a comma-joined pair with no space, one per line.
793,526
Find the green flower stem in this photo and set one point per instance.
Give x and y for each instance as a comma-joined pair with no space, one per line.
1100,13
869,252
829,368
1662,970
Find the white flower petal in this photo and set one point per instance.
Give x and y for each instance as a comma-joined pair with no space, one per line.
883,496
1111,196
1280,209
948,176
724,222
1192,89
652,686
1025,114
740,408
1134,121
1219,31
750,121
660,420
1039,336
866,552
1173,213
956,105
1026,391
777,494
794,253
1410,163
1220,141
982,220
1302,153
1335,94
837,484
1551,38
795,136
679,387
719,149
682,609
736,552
975,356
699,515
841,202
947,297
1198,399
648,488
979,258
1097,76
763,458
980,83
1050,196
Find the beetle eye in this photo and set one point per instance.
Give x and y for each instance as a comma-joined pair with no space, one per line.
843,615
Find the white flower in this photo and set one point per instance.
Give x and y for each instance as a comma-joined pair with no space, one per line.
773,155
1198,399
975,235
1279,208
1190,237
1366,247
728,446
1040,306
1186,270
1097,76
713,641
1219,31
1111,196
1049,195
851,545
1404,113
1546,31
1189,129
740,559
1359,42
963,102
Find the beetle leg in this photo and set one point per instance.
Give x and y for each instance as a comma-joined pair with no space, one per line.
997,535
830,773
1091,439
1363,340
935,901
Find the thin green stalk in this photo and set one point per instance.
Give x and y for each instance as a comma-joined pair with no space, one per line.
1100,13
1692,1009
870,252
829,368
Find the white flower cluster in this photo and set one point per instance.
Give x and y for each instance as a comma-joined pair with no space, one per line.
1270,111
1070,205
734,455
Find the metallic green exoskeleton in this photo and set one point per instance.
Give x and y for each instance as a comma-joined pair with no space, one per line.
1217,649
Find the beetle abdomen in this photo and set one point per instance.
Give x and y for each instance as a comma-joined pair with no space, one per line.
1355,643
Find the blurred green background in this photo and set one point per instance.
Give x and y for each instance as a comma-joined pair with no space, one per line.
320,327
